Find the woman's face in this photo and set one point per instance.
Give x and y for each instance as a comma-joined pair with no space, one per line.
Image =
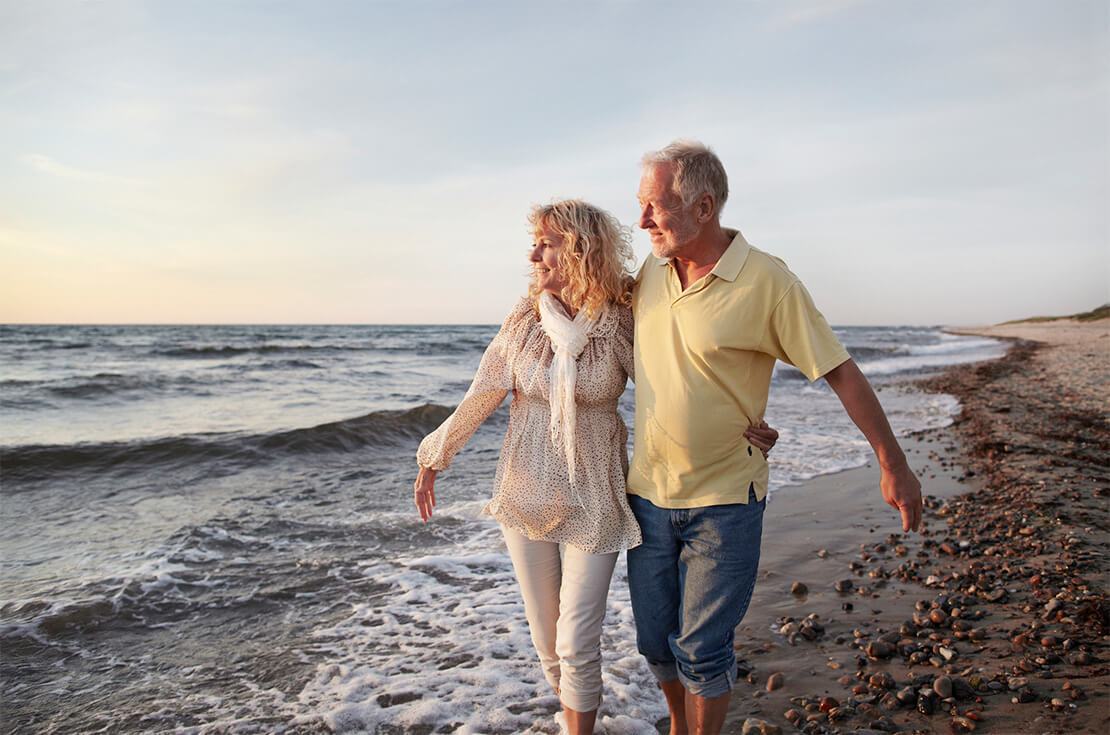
545,260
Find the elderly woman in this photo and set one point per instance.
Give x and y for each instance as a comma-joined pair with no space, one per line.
565,352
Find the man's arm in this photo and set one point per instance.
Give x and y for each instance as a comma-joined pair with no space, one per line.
901,489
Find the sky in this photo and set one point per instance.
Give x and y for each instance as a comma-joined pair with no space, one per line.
375,162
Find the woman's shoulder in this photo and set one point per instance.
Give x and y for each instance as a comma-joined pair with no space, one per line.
524,309
521,317
622,314
615,320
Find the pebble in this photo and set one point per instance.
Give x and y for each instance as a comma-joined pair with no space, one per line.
880,649
775,681
943,687
927,702
752,726
962,724
881,680
992,552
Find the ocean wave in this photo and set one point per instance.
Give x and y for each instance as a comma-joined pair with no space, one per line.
30,463
209,351
153,592
108,384
98,385
930,361
49,344
289,365
956,346
460,346
910,358
441,348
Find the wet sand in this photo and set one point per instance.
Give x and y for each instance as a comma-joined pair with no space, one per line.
995,618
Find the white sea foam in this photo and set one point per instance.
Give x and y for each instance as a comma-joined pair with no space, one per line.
448,643
817,437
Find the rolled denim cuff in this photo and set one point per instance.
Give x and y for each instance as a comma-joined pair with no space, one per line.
711,688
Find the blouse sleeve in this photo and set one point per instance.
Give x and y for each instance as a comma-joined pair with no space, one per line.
624,341
492,383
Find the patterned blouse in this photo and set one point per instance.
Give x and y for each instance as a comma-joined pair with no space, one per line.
532,492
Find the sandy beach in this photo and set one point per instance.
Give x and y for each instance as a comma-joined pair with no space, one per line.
994,618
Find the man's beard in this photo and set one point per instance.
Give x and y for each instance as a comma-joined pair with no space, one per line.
675,242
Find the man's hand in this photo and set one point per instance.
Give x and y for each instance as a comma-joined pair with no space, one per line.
902,491
900,488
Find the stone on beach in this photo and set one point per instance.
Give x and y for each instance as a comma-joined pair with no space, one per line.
943,687
1008,573
775,681
754,726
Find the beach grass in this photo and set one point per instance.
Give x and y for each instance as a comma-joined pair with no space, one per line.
1101,312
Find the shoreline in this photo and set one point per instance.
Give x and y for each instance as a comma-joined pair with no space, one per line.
998,608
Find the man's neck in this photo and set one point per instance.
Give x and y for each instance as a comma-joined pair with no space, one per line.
701,254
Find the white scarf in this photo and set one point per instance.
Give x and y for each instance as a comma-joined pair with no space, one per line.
568,339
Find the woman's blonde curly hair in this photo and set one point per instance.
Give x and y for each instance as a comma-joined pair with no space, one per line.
596,257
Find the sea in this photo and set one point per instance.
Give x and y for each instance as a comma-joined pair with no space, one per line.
210,529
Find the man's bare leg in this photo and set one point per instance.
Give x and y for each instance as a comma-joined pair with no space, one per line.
676,703
705,716
579,723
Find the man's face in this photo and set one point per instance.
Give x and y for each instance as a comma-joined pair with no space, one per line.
669,224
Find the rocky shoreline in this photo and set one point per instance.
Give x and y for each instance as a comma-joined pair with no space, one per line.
996,618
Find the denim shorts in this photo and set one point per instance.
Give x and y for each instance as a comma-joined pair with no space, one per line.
691,581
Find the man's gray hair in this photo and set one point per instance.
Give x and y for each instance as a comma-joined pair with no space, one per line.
697,171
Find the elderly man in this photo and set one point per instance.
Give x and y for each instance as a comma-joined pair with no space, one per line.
712,315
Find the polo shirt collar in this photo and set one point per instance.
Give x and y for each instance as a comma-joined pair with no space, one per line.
731,261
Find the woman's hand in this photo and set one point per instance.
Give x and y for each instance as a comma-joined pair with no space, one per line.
762,437
424,492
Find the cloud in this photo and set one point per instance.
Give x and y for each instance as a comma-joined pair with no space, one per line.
799,14
47,165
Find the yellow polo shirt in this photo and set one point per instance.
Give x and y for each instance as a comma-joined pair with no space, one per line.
704,358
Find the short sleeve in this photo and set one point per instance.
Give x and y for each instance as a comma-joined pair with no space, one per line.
798,335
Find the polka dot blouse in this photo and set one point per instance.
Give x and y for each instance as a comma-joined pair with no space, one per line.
532,492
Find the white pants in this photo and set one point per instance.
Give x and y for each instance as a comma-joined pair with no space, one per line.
564,592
